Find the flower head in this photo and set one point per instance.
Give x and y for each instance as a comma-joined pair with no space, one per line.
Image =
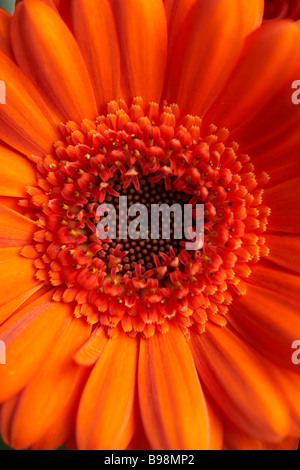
119,343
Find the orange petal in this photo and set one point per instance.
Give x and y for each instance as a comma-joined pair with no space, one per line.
205,45
139,440
5,45
284,249
10,307
284,201
95,31
173,407
289,443
215,423
176,14
52,393
17,274
55,437
16,173
90,352
142,33
106,412
232,372
283,172
29,335
269,136
288,382
254,16
255,80
15,229
26,123
269,321
56,66
237,439
11,203
271,277
6,413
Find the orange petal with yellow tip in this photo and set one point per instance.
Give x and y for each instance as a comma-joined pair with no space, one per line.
232,372
205,45
95,31
173,408
52,391
106,416
29,335
142,31
56,66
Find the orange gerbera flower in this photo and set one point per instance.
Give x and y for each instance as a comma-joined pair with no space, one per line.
277,9
144,344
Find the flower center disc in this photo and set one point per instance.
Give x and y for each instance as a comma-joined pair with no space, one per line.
151,155
140,251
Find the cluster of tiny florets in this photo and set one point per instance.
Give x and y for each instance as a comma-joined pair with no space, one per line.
151,154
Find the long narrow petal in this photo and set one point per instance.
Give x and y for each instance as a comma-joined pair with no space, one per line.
274,123
95,31
15,229
17,274
16,173
90,352
26,123
205,45
28,336
106,412
52,392
173,407
269,321
269,276
55,66
5,45
256,80
284,201
240,384
9,308
284,249
142,33
236,439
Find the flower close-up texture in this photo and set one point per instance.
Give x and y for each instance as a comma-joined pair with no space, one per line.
278,9
128,344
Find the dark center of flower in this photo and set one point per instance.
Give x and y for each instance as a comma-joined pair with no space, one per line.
151,155
141,251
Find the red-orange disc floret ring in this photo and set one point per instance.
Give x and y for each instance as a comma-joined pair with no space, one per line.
139,288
